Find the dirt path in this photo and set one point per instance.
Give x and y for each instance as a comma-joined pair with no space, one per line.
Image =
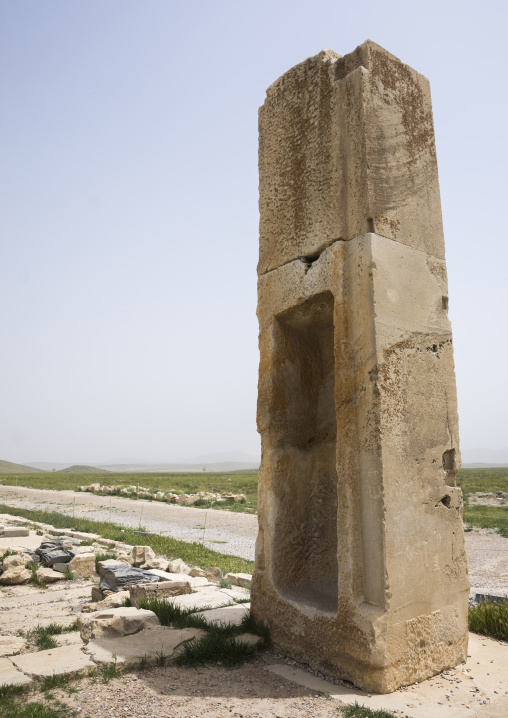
226,532
232,533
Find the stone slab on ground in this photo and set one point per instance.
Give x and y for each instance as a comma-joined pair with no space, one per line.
10,676
65,659
27,606
31,542
13,532
129,650
69,639
10,645
473,689
232,615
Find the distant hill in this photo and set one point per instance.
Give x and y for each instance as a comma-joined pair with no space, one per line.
81,469
7,467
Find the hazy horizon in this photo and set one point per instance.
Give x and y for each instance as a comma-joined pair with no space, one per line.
129,218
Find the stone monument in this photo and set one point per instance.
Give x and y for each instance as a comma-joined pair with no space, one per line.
360,562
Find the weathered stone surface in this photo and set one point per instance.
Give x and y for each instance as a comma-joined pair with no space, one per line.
14,562
10,645
10,676
115,622
240,579
360,560
159,563
48,575
129,650
165,589
108,562
206,598
55,661
115,600
125,558
142,554
232,615
61,567
83,566
15,576
116,578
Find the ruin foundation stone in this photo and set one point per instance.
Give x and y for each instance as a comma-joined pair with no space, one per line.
360,562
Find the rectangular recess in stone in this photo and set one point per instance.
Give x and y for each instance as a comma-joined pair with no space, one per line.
305,488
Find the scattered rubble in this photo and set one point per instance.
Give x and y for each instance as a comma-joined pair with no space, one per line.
172,497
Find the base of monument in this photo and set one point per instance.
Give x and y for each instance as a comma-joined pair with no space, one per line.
363,645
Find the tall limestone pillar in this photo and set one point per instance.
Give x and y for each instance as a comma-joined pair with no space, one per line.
360,561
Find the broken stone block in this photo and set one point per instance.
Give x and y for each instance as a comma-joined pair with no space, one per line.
125,558
142,554
15,576
148,645
49,575
115,578
11,532
165,589
240,579
49,558
159,563
14,562
213,573
177,566
83,566
61,567
97,594
115,622
195,572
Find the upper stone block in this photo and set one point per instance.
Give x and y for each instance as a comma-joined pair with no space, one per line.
347,147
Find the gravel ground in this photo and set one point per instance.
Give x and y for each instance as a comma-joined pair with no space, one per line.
233,533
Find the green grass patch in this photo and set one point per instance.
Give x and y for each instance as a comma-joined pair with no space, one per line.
169,614
489,618
194,554
56,681
487,517
358,711
217,646
42,636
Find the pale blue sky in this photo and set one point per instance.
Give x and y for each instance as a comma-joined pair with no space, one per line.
129,220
